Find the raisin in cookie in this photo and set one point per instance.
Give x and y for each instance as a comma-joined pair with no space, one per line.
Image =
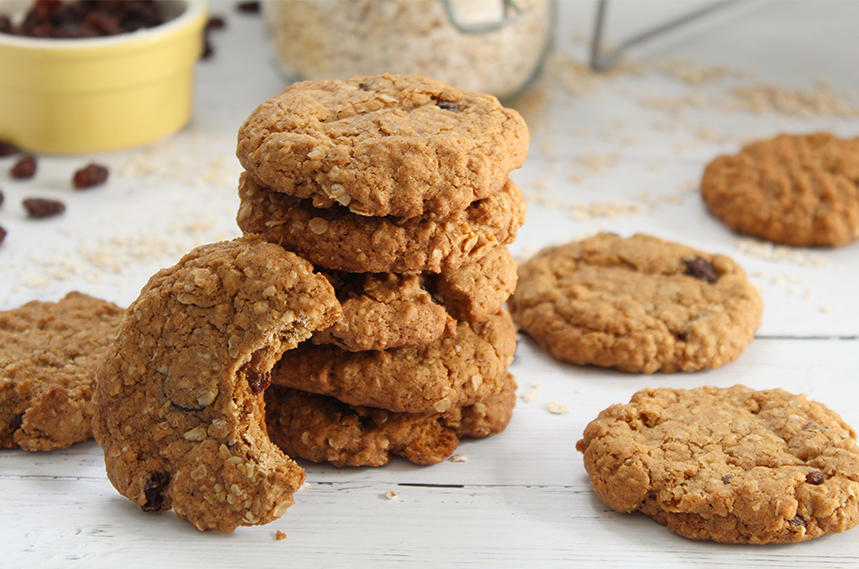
454,371
796,190
49,353
323,429
388,310
732,465
637,304
179,407
383,145
335,239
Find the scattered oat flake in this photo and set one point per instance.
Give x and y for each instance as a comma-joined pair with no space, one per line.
459,457
279,535
390,495
557,408
536,384
528,396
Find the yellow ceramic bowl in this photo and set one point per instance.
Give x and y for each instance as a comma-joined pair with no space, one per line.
70,96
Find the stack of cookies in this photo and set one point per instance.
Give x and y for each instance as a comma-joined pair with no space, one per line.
396,188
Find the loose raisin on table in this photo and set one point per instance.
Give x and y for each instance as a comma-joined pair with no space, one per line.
2,197
248,7
701,269
2,234
39,208
216,23
24,168
89,176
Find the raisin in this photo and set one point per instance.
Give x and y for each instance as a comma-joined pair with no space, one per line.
2,234
815,477
87,18
726,479
7,148
208,48
24,168
681,336
216,23
248,7
89,176
153,489
2,197
364,86
104,24
17,420
447,106
701,269
797,521
5,25
39,208
258,381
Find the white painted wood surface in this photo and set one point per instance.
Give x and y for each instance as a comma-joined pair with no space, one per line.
522,499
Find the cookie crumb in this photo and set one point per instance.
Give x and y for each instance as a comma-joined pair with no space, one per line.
557,408
390,495
279,535
536,384
826,309
529,396
304,486
459,457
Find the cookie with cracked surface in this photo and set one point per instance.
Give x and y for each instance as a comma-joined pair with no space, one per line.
454,371
477,290
792,189
388,310
732,465
49,353
179,408
322,429
383,145
336,239
638,304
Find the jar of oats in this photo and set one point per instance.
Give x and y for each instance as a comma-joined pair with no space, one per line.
493,46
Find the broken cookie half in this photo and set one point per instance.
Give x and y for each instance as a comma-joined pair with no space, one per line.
179,409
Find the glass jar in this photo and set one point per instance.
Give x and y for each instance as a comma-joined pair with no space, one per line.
492,46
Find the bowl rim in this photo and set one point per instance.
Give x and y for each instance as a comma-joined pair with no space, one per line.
194,9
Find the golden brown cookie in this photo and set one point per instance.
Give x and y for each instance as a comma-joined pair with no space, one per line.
476,291
335,239
791,189
732,465
49,353
387,310
383,145
637,304
179,407
322,429
454,371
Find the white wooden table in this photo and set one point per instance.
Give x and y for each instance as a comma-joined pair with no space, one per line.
620,153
